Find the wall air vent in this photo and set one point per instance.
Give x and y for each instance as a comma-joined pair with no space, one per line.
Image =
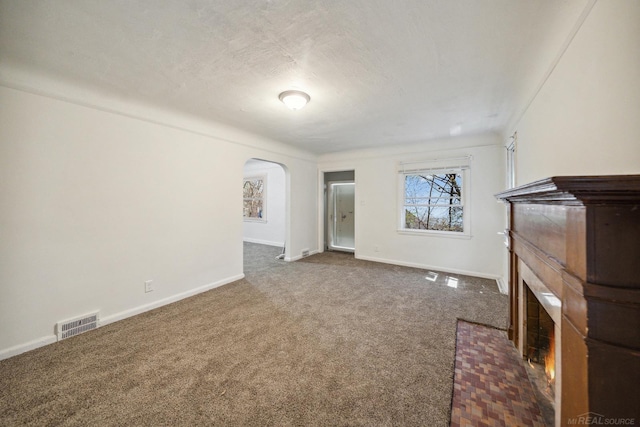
305,253
78,325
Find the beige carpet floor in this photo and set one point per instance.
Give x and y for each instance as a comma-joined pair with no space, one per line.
327,340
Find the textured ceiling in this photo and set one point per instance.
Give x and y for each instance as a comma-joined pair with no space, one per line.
379,72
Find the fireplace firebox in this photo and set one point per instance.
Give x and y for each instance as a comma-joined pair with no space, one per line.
540,353
574,291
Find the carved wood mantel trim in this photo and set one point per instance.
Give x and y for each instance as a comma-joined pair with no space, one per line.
577,190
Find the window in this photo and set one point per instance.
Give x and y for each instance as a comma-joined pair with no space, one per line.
254,194
433,197
511,160
433,201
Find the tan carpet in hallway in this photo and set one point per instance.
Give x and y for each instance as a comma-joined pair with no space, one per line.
328,340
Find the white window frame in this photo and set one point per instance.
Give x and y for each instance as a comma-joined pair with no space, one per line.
459,166
263,178
511,146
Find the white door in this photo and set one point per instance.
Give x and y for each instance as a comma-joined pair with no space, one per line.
341,218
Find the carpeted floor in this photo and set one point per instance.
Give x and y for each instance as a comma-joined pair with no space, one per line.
327,340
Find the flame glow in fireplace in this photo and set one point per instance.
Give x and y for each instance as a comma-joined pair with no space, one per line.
550,359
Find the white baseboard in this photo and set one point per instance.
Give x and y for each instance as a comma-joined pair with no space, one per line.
31,345
50,339
502,285
432,267
263,242
173,298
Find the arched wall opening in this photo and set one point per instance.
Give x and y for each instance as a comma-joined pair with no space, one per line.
266,204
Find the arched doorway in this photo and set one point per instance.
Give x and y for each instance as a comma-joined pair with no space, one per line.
265,210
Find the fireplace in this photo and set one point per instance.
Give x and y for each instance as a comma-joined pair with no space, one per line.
539,340
539,346
574,293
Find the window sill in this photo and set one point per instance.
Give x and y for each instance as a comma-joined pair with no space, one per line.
433,233
258,220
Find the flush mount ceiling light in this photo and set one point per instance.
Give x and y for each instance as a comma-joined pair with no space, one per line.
294,99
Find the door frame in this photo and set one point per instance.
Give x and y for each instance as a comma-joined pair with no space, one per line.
322,199
330,224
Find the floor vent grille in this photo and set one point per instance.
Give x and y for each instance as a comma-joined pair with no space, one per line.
78,325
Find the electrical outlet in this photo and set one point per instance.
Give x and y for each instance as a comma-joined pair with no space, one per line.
148,286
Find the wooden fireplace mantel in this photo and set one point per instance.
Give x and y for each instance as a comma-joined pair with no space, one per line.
580,236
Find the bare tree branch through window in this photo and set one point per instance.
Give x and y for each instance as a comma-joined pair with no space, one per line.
433,202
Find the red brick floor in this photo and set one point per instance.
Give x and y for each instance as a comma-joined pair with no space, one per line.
491,387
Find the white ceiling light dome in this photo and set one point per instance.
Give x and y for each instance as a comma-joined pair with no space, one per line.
294,99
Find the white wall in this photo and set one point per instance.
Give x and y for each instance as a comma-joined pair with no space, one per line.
272,231
93,203
377,213
94,200
585,119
